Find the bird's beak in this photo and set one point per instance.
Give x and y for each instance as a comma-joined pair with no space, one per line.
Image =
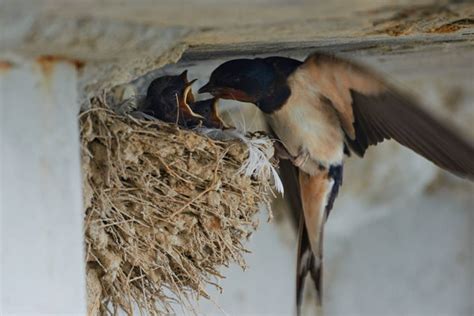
215,117
184,75
225,93
188,92
208,87
191,82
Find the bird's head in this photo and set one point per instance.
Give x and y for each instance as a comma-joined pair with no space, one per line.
169,97
245,80
208,110
170,88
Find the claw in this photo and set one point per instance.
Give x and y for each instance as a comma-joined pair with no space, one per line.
301,159
281,152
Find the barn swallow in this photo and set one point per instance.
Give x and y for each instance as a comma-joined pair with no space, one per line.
208,110
320,109
168,99
169,96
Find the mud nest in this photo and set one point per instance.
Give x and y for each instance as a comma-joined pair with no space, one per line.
165,208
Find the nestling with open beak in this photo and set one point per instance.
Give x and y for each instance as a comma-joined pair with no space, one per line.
321,109
208,110
170,99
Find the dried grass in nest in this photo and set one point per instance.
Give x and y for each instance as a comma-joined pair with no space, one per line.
165,208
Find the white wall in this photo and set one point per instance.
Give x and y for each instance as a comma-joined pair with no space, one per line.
42,261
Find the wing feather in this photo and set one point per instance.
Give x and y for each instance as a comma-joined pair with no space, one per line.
371,111
391,115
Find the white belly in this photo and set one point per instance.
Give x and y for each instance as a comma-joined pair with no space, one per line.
305,124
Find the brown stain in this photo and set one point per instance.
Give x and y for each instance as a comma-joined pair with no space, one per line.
453,26
398,30
46,65
214,223
447,28
416,13
423,19
47,62
5,66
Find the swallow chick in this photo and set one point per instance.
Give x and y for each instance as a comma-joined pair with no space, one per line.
168,99
208,110
321,109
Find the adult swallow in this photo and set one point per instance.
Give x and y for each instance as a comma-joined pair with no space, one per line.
320,109
168,98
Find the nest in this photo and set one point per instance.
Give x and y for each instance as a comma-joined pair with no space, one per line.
165,208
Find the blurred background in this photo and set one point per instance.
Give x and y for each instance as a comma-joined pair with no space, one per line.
400,240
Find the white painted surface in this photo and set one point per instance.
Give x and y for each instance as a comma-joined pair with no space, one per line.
42,262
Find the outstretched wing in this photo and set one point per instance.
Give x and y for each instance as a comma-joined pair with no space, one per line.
371,111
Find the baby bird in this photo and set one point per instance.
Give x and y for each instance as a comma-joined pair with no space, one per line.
170,99
167,99
208,110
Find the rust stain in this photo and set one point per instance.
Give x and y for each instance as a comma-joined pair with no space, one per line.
453,26
5,66
79,64
47,62
446,28
399,29
423,19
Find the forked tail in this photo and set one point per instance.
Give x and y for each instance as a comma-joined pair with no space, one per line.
317,193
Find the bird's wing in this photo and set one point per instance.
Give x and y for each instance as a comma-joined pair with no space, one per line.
371,111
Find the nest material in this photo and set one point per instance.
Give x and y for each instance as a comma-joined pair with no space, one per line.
165,208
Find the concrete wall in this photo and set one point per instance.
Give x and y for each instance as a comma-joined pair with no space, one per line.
401,237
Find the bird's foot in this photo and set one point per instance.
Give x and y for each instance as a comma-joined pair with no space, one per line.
301,159
281,152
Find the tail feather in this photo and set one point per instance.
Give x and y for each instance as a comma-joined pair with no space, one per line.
318,193
311,199
307,262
